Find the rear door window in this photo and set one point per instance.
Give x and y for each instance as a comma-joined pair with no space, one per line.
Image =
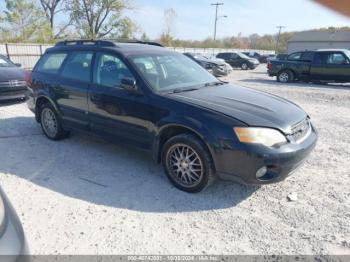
51,63
234,56
320,58
223,56
78,66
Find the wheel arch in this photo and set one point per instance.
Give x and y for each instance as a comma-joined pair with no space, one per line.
288,69
171,130
39,102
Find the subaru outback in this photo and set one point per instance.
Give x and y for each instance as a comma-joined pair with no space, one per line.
147,96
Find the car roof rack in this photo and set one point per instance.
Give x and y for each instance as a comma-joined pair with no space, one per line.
105,42
135,41
85,42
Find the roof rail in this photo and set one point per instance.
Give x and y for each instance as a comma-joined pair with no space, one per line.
144,42
85,42
133,41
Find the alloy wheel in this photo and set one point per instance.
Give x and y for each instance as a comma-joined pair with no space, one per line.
185,165
49,122
284,77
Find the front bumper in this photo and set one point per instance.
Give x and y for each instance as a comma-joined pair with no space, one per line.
241,162
218,71
12,95
13,245
253,66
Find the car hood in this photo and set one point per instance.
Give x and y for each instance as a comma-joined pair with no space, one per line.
247,105
11,73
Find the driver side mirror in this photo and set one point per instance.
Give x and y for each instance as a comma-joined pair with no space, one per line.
129,84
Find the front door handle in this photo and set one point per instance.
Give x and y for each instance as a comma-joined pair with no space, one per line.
96,98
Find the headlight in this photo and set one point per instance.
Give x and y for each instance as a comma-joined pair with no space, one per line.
2,211
258,135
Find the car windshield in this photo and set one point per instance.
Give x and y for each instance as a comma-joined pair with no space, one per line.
170,72
4,62
241,55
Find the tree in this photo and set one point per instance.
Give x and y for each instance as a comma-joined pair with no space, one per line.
50,9
127,29
145,38
99,18
23,21
170,17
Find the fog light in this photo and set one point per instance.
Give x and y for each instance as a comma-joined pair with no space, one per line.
261,172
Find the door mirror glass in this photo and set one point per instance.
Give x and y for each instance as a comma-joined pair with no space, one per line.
129,84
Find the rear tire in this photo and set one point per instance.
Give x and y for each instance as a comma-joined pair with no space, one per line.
187,163
285,76
51,124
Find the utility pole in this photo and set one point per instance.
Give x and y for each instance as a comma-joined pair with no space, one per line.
280,27
216,16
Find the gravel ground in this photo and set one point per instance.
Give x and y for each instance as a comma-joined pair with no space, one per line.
85,196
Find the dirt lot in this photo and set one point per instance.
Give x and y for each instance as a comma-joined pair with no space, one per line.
86,196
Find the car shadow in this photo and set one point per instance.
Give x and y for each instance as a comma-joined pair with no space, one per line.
11,102
273,82
87,168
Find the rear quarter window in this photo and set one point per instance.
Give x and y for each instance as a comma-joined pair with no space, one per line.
51,63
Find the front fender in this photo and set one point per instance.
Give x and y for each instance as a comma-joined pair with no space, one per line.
192,125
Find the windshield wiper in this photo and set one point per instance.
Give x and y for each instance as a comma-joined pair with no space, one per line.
180,90
216,83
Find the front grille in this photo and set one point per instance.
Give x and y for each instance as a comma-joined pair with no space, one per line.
301,131
12,84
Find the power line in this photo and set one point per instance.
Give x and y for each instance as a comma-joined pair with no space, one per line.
280,27
216,16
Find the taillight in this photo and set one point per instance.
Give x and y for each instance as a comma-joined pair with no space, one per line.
269,66
28,77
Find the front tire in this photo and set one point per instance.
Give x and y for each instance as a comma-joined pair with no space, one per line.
51,124
244,66
285,76
187,163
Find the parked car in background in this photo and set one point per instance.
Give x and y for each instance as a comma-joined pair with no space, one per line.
261,58
12,80
217,68
328,65
277,57
12,240
239,60
156,99
214,58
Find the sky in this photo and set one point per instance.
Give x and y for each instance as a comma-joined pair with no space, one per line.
196,17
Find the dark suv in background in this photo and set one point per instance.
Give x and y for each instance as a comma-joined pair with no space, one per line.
261,58
163,102
239,60
12,80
